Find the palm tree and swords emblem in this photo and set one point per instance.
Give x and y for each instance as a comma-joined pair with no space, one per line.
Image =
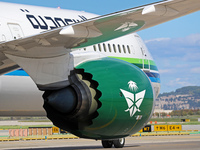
133,100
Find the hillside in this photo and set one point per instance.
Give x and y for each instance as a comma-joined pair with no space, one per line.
183,98
188,90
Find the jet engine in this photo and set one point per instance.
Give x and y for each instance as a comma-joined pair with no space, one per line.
106,99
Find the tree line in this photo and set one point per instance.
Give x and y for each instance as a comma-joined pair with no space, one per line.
183,112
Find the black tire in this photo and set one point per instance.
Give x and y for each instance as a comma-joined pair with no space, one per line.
119,143
106,143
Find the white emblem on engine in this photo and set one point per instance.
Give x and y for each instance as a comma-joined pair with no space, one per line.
133,100
132,85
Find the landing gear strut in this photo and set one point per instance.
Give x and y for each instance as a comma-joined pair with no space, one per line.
118,143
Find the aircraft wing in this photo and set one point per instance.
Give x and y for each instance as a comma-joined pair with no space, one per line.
53,43
107,27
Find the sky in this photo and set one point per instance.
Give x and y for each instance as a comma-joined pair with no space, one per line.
175,45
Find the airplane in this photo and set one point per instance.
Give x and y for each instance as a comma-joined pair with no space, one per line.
82,70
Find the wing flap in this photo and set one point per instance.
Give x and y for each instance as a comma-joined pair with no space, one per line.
6,65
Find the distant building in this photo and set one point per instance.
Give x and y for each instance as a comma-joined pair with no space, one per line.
162,111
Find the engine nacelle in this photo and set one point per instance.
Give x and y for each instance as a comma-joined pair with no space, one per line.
107,99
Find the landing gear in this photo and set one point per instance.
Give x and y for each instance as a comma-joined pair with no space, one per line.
118,143
106,143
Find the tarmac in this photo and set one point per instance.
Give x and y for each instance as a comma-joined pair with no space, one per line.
189,139
183,142
4,136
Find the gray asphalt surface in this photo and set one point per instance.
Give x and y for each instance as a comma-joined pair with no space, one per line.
189,142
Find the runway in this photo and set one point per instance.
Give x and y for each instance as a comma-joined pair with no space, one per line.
185,142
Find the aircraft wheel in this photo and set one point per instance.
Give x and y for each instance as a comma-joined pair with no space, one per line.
119,143
106,143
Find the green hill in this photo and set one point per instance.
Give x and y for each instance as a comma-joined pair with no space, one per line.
188,90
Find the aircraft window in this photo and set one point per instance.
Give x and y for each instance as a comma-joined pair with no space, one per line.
119,49
104,47
26,10
95,49
114,48
84,49
99,47
110,50
22,10
129,51
124,48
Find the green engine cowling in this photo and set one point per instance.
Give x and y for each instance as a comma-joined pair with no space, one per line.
119,103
